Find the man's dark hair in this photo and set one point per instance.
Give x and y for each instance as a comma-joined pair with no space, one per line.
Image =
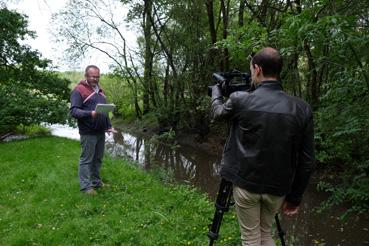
91,66
269,60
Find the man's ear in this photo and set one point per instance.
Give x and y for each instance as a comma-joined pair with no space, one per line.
257,69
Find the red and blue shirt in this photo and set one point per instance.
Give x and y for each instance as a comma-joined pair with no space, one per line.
83,101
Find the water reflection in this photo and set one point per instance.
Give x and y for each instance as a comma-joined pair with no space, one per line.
63,131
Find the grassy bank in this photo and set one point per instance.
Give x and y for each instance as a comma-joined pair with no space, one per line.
40,202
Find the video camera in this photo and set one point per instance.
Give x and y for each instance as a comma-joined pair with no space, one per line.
230,82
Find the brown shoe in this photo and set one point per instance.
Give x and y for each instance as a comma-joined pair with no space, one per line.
91,192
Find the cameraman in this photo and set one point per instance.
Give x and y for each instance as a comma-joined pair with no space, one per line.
269,153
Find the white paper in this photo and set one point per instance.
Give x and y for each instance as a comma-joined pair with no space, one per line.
104,108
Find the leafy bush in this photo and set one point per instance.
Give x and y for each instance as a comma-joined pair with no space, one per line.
28,94
117,92
341,135
33,130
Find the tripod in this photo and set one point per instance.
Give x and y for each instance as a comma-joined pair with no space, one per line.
222,204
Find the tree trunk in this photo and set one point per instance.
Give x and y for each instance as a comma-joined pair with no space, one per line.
148,57
313,77
137,105
210,11
224,9
212,56
241,9
166,85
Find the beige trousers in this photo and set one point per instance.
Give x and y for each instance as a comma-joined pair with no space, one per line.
255,213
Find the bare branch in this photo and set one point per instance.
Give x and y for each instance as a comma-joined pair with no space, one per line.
166,50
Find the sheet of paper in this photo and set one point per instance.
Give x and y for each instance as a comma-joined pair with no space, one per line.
104,108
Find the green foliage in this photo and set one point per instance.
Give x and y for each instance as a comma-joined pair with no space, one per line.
197,116
28,94
32,130
341,133
168,116
148,121
13,29
242,41
73,76
166,138
46,101
119,93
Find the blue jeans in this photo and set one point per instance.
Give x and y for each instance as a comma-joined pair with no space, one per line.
90,161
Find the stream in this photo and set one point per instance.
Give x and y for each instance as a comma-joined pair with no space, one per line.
188,164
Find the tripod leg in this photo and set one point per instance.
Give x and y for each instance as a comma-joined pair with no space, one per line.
222,204
281,233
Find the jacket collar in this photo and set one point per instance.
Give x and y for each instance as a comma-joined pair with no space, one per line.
85,84
271,84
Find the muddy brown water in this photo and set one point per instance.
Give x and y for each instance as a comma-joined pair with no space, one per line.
188,164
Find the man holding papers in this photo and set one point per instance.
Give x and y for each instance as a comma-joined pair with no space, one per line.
93,122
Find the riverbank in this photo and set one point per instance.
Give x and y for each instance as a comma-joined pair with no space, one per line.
40,203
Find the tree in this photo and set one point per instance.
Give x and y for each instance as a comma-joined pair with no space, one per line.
28,93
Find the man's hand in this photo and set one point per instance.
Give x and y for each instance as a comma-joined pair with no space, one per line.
111,130
93,114
289,209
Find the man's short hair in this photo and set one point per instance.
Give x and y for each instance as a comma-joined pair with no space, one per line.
270,62
91,66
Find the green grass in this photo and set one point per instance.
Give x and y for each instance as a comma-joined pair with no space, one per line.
40,202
